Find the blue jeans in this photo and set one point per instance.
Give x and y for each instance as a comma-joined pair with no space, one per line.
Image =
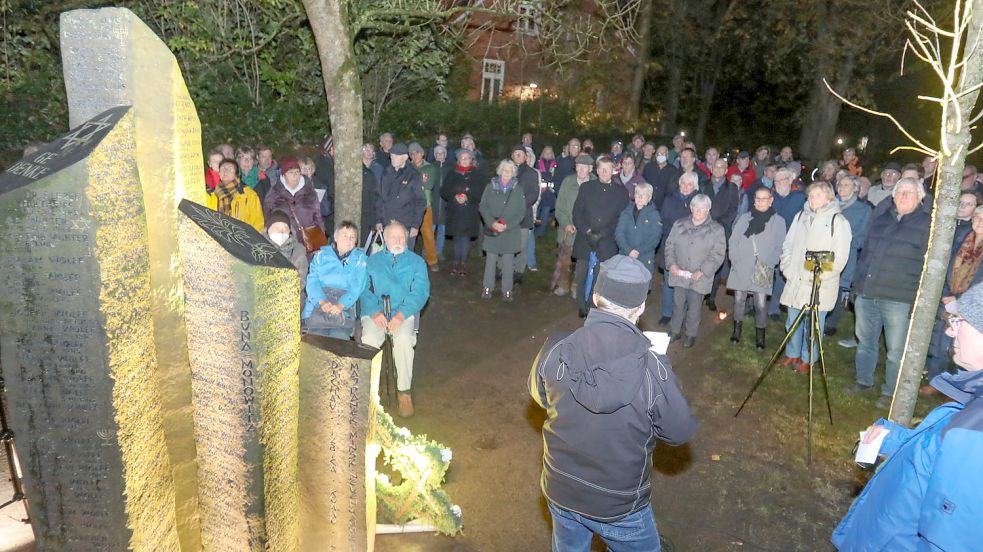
939,349
632,533
531,251
668,296
777,287
546,216
441,233
798,344
874,315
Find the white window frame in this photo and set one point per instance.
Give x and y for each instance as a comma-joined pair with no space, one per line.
492,78
527,23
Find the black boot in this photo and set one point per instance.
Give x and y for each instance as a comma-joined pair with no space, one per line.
735,337
759,339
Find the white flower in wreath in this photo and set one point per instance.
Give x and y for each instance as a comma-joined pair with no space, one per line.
456,510
446,455
403,432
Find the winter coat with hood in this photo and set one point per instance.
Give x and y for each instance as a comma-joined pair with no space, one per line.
695,247
608,400
641,231
741,251
595,214
823,230
506,203
926,495
302,206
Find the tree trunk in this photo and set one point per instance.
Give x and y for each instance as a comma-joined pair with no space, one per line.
642,59
675,60
943,226
343,90
668,126
708,86
819,127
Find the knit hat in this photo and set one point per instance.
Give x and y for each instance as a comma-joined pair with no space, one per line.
288,164
277,216
518,147
969,306
584,160
415,147
399,149
743,155
624,281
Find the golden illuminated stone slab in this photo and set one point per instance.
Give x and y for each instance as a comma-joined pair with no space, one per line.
77,343
244,340
337,403
111,58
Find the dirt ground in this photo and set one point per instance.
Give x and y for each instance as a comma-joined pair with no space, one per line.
741,484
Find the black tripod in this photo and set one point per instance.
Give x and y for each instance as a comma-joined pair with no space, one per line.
813,310
13,464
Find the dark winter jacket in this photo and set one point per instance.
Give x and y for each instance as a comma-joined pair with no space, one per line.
608,400
629,183
662,180
789,206
528,178
858,214
370,192
890,263
595,214
324,179
463,219
302,206
723,203
401,197
437,203
676,207
564,168
641,231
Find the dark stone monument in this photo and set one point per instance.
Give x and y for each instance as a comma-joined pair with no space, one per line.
242,302
337,409
77,343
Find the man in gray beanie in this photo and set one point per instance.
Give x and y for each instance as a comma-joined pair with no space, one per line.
608,398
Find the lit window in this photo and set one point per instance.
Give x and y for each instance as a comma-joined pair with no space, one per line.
527,19
492,78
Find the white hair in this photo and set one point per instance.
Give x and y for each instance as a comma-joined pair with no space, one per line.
690,176
606,305
909,182
702,199
645,188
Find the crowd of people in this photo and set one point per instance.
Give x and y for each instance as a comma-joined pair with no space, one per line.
755,223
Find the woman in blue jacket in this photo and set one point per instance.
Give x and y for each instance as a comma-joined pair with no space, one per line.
639,229
337,278
928,493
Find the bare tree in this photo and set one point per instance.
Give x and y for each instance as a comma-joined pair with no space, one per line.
955,56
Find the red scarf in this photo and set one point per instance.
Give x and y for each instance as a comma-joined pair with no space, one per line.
463,170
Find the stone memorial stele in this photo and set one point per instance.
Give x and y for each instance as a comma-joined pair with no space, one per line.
337,403
77,343
111,58
243,321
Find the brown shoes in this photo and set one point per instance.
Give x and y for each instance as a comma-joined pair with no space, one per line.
405,408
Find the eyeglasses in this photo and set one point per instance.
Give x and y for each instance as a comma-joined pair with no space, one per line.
954,320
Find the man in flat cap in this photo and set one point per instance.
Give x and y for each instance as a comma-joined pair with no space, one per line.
608,398
401,197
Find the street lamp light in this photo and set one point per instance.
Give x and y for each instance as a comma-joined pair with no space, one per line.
839,141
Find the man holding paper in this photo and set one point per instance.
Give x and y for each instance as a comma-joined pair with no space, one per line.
928,493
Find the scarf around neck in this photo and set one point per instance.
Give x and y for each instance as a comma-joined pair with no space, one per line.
251,178
966,263
759,219
462,169
225,193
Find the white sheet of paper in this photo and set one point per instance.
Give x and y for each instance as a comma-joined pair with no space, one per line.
867,453
320,194
659,341
685,274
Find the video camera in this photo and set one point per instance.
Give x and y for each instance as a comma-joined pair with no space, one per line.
819,261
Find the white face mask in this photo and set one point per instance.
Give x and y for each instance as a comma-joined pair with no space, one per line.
279,238
661,158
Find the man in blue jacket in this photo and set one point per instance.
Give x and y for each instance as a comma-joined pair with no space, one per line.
608,398
928,493
402,275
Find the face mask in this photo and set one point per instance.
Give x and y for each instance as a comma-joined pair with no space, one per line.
279,238
661,158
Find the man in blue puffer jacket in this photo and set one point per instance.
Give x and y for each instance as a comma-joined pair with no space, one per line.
402,275
609,399
928,493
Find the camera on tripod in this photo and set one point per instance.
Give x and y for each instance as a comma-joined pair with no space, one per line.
823,260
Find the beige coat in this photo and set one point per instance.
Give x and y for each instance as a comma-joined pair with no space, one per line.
825,230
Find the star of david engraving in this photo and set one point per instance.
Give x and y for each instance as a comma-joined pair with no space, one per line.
81,135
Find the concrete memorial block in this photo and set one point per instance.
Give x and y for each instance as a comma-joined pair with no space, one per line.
337,404
77,343
111,58
243,326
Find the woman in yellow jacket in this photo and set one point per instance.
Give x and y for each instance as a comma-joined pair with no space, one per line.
231,198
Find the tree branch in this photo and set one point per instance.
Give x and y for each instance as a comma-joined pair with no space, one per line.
878,114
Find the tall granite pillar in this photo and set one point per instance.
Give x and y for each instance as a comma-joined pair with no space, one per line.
337,406
77,343
111,58
243,320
